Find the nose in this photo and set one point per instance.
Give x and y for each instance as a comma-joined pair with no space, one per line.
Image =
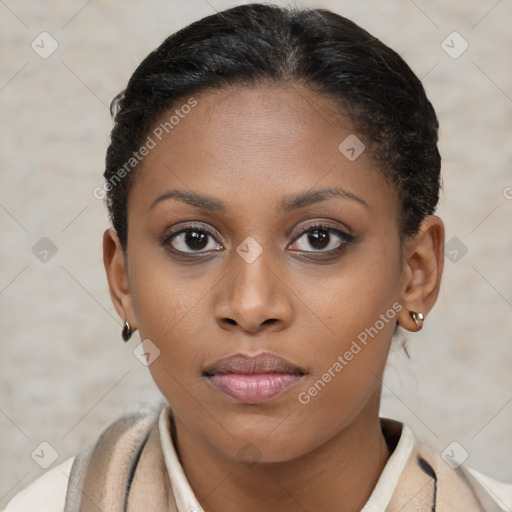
253,297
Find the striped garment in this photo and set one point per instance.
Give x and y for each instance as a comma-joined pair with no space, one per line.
132,466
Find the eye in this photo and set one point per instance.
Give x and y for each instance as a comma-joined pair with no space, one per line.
322,239
192,239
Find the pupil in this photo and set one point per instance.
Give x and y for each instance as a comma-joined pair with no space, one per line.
195,239
317,238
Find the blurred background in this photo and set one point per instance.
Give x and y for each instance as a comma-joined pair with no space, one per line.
66,373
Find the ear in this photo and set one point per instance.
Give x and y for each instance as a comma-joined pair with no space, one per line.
423,262
117,276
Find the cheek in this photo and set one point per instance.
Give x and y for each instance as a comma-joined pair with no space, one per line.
169,316
167,298
347,377
172,310
350,298
358,311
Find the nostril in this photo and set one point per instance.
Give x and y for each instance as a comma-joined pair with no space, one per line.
230,321
270,321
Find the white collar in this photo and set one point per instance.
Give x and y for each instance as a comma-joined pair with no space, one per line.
378,501
186,500
388,480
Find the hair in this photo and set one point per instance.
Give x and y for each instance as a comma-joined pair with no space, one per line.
265,44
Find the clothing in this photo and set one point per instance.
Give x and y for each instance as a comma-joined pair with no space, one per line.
136,468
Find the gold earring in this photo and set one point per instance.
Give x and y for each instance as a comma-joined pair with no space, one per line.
126,333
417,317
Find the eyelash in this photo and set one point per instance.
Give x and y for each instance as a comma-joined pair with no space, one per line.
201,228
345,238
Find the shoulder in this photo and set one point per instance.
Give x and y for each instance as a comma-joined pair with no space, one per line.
460,482
46,494
490,490
417,477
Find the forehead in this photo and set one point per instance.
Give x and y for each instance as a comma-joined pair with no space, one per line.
242,143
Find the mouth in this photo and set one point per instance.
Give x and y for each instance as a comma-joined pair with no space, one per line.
253,379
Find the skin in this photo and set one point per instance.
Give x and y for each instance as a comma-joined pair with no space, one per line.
250,148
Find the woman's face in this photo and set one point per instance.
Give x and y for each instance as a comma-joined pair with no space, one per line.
226,257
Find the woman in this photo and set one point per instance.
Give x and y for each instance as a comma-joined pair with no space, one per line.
272,179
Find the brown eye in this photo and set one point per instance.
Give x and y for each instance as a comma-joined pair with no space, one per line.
192,240
321,239
196,240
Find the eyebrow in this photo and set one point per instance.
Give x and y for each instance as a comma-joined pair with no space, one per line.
306,198
287,205
198,200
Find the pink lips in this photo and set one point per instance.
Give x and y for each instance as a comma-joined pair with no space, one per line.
253,379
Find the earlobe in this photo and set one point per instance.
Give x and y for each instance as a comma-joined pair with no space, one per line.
117,276
422,272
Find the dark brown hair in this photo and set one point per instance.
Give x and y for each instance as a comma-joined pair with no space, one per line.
317,49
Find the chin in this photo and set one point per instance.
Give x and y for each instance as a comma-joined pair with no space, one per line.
263,440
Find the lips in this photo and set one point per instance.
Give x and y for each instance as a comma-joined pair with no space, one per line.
265,362
253,379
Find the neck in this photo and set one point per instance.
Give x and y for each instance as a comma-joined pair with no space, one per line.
338,475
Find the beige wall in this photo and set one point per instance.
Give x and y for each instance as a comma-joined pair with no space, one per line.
66,372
